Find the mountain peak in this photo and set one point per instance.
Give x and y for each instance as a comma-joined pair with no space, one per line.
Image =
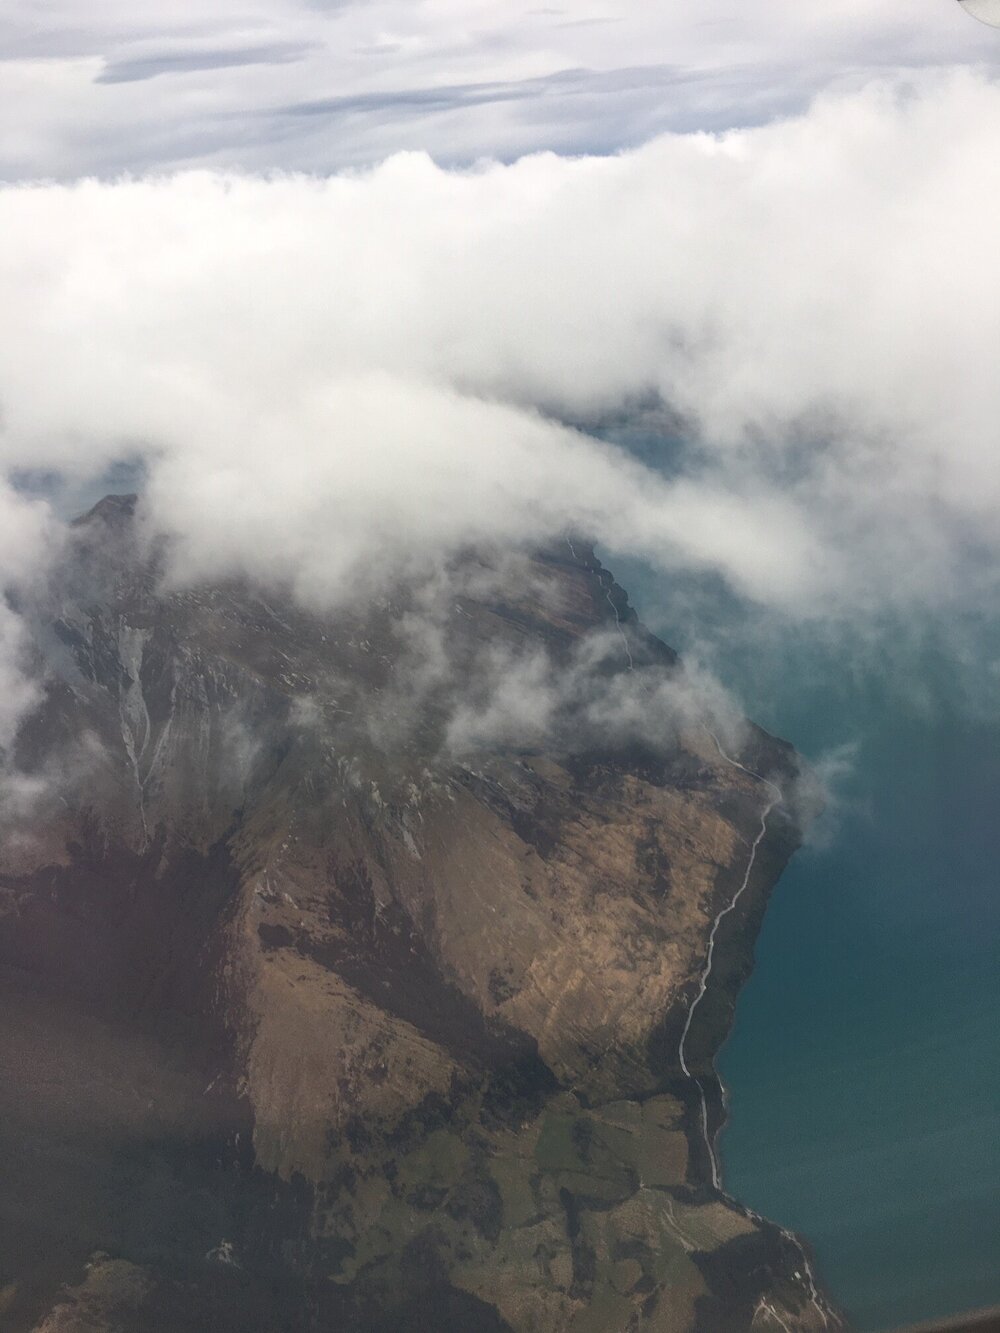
375,983
114,510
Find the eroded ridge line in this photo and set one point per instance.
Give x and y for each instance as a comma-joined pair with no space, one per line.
607,593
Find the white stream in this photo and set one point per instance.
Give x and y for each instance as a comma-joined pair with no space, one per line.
806,1276
776,799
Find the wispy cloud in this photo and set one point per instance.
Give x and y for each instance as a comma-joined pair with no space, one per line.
462,81
136,68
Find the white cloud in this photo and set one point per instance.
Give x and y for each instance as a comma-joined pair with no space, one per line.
18,691
527,698
27,541
332,379
517,699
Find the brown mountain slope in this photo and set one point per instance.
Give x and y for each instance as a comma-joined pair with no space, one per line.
345,994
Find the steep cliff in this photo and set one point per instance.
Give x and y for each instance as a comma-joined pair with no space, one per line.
341,993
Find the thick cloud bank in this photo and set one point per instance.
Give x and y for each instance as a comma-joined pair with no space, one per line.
330,381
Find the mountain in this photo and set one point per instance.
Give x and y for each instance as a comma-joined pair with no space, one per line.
363,968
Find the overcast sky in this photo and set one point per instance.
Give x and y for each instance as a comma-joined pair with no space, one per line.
262,84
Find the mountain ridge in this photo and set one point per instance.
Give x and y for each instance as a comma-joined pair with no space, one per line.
430,974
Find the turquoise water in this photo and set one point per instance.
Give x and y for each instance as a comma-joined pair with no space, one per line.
863,1070
864,1067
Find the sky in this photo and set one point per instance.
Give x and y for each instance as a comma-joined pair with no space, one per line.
267,85
354,285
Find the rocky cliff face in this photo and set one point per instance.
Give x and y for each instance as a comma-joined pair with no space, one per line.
338,996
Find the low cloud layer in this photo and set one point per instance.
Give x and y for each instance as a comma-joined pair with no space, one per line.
330,381
28,540
527,700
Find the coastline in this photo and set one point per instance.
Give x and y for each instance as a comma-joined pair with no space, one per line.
729,964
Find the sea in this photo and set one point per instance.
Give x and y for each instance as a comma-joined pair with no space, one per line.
863,1070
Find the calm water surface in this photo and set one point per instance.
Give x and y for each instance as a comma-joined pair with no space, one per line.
864,1068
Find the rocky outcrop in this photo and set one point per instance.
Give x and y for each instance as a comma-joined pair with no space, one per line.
341,996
